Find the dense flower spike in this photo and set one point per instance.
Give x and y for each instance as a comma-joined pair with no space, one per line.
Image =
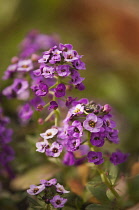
50,190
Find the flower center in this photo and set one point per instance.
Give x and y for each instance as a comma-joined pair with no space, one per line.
76,130
25,66
96,138
49,134
94,158
58,202
55,150
35,190
70,56
77,110
92,123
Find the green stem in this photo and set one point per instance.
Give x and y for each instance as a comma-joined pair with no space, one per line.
57,114
49,116
106,180
103,176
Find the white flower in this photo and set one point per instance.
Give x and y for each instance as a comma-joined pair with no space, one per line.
50,133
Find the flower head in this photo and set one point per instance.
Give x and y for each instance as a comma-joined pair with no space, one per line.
50,133
93,123
95,157
35,190
58,202
118,157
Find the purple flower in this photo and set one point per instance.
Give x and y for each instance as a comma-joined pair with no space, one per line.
108,122
47,71
78,64
55,150
35,190
73,144
40,89
37,102
76,130
80,86
25,112
97,139
42,146
71,55
60,189
112,135
58,202
50,133
92,123
95,157
25,65
48,183
10,71
69,159
78,109
63,70
106,108
65,47
18,87
53,105
76,79
118,157
60,90
56,56
69,101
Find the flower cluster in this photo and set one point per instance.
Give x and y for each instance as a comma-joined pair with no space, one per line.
60,62
6,151
20,72
51,192
84,120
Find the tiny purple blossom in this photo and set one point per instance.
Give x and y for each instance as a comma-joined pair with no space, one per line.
50,133
71,55
42,89
69,159
58,202
55,150
69,101
78,64
60,189
42,146
97,139
95,157
65,47
53,105
60,90
25,112
76,79
118,157
47,71
48,183
10,71
112,135
25,65
73,144
63,70
76,130
35,190
92,123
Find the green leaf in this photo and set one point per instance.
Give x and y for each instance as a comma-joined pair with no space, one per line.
97,207
33,201
99,192
113,173
133,186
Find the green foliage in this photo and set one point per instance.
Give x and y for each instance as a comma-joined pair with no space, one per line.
97,207
133,187
99,192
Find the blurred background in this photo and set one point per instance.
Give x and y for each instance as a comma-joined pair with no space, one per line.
105,32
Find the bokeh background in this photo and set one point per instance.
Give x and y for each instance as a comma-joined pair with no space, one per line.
105,32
